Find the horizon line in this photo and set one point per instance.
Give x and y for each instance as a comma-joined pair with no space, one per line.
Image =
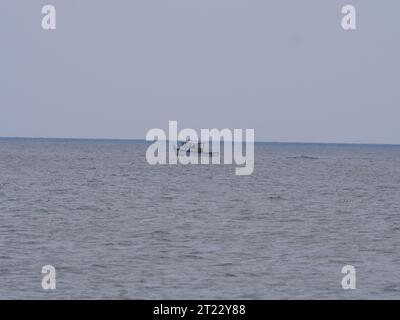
257,141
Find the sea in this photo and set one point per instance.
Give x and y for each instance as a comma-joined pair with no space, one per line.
115,227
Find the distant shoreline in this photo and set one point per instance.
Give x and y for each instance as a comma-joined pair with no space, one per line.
257,142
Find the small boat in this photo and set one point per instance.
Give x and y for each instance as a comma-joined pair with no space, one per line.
190,147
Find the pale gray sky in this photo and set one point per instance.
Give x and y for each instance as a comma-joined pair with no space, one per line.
115,69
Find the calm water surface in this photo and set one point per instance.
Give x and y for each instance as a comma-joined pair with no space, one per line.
116,227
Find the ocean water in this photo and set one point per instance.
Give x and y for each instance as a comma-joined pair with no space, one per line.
115,227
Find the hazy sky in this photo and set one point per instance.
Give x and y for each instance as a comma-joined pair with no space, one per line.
115,69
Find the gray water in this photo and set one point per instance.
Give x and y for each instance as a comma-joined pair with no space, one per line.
115,227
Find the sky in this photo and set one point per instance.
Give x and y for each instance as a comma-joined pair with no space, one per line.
285,68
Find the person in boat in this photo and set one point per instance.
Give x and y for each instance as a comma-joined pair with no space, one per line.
188,149
182,144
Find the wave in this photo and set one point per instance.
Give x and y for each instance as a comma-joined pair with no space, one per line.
303,157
